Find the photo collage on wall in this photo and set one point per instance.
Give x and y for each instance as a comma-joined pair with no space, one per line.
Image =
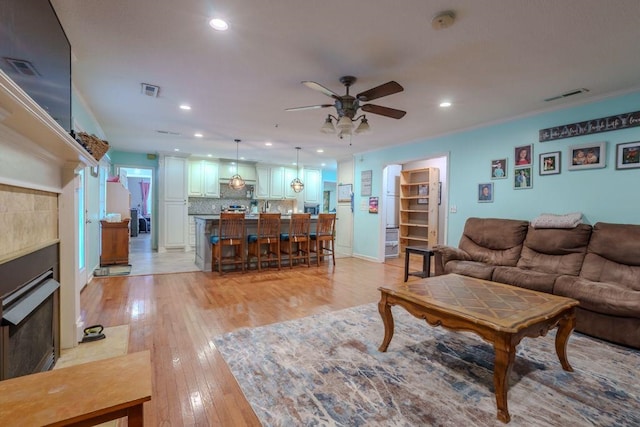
523,167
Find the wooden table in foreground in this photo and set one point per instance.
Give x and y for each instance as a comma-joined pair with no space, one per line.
80,395
499,313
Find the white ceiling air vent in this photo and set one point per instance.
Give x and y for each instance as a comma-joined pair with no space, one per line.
23,67
568,94
168,132
150,90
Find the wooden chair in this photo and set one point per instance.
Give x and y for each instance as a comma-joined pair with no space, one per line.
268,235
231,233
323,238
298,239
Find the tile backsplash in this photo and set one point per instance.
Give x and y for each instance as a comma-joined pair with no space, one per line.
229,196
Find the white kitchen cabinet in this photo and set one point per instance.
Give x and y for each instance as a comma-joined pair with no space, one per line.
203,179
312,185
173,203
246,170
270,183
276,187
289,175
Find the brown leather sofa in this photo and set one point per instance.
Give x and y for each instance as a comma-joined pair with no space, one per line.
598,266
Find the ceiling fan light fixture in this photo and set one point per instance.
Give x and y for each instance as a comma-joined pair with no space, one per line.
328,127
363,127
344,123
236,182
297,185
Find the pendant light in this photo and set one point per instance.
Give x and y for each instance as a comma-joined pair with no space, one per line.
236,182
296,184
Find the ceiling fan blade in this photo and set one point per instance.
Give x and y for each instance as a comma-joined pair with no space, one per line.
383,111
386,89
320,88
309,107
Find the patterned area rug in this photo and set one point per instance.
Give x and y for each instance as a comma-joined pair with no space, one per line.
325,370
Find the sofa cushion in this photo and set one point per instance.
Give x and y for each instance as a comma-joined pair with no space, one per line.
555,250
493,241
475,269
530,279
613,255
601,297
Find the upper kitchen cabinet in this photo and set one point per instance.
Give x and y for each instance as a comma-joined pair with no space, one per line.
246,170
270,183
289,175
203,179
312,185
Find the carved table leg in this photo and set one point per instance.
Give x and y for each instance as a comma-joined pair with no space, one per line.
387,320
565,327
505,356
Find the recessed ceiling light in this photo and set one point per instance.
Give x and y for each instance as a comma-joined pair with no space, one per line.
323,164
268,144
209,155
176,149
185,107
242,158
219,24
445,104
319,150
198,135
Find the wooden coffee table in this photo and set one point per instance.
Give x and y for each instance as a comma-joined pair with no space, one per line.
501,314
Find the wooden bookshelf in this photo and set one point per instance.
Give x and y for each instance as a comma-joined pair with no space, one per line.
419,207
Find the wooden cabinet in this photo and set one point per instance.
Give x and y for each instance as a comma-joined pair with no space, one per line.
203,179
115,242
419,207
312,186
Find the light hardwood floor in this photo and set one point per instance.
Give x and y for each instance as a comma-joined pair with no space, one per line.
175,316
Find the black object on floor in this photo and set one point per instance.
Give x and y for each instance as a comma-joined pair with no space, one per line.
93,333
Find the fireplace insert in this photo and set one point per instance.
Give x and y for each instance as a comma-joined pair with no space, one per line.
29,310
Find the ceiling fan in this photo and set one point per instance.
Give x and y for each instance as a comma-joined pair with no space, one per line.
347,106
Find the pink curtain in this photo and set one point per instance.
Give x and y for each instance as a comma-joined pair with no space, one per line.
144,189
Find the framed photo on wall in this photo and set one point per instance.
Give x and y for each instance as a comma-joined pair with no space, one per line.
485,192
550,163
522,178
523,155
499,168
587,156
628,155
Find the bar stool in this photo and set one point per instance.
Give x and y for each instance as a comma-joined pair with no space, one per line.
231,233
325,231
268,234
298,235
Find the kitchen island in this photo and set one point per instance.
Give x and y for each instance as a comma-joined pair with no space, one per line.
207,225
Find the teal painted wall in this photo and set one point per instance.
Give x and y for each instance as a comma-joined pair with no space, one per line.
606,195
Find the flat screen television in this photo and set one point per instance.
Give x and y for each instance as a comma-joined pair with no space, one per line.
36,54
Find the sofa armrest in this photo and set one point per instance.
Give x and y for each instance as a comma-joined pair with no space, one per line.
443,254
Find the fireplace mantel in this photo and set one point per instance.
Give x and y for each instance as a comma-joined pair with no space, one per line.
32,144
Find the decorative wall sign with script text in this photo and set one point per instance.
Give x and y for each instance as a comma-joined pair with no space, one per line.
605,124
